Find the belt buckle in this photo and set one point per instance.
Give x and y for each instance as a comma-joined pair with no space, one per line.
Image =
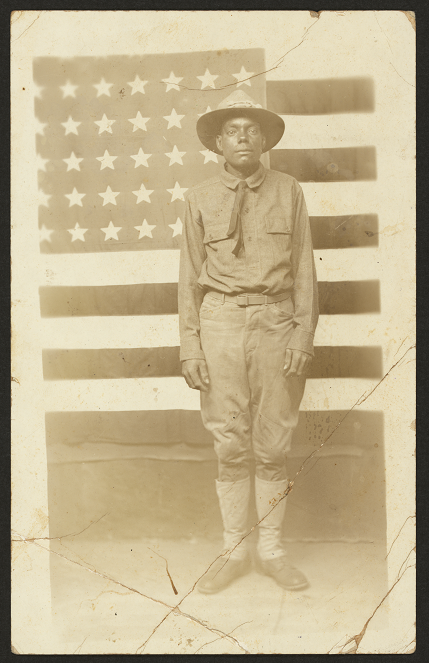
243,297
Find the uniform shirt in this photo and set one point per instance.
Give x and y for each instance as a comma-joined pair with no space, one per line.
277,255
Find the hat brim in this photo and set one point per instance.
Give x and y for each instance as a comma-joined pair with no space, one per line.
210,124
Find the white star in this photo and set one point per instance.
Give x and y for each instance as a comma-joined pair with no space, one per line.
209,156
39,126
173,119
71,126
43,198
171,82
209,110
77,233
208,79
69,90
106,161
175,156
139,122
40,163
109,196
75,198
111,231
45,233
177,227
38,90
73,162
177,192
145,230
103,88
137,85
104,124
143,194
141,158
241,77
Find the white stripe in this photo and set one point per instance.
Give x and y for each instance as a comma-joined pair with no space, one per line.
163,331
342,198
126,268
111,332
95,270
310,132
173,393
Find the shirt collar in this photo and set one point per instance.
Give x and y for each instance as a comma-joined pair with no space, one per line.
253,181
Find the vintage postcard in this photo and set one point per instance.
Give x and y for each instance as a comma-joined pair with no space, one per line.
213,332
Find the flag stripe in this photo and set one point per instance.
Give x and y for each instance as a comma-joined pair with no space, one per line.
327,131
173,393
118,363
86,436
321,96
344,232
336,164
336,298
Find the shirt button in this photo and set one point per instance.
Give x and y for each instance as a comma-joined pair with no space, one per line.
249,239
246,209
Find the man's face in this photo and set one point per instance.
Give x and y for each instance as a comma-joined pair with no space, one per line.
241,142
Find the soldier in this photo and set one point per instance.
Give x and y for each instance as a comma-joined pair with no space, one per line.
248,310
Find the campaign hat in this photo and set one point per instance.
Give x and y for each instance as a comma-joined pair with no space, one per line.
237,104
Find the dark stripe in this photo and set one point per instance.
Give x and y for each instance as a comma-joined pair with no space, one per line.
344,232
166,428
336,297
321,96
337,164
329,362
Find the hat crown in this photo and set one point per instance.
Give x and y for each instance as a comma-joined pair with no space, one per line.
238,99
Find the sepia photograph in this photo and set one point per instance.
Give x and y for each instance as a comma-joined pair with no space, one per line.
213,332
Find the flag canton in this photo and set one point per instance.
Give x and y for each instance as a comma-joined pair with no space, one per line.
117,147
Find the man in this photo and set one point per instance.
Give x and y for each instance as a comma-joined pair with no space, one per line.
248,312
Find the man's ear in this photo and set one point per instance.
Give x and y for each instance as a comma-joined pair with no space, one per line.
264,142
219,143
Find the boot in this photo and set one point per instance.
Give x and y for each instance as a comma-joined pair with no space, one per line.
273,560
234,560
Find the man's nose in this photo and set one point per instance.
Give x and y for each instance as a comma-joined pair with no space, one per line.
242,135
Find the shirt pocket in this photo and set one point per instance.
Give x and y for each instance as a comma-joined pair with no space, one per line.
279,234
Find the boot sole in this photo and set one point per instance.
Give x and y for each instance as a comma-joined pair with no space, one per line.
245,571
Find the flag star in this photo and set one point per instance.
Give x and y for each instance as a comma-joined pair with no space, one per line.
103,88
137,85
172,81
139,122
106,161
39,126
143,194
71,126
242,76
173,119
209,110
43,198
177,227
40,163
38,90
111,231
45,233
104,124
177,192
145,230
175,156
69,90
73,162
141,158
209,156
77,233
208,79
75,198
109,196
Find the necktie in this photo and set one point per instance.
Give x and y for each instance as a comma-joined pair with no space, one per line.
235,222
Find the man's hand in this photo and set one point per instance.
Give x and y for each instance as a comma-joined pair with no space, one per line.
195,373
296,363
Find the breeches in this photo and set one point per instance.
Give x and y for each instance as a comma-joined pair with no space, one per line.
251,408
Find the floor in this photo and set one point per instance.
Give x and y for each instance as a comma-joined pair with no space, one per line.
115,596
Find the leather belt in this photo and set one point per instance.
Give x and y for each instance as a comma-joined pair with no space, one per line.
249,299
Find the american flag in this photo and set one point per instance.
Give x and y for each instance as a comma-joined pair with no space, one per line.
117,150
